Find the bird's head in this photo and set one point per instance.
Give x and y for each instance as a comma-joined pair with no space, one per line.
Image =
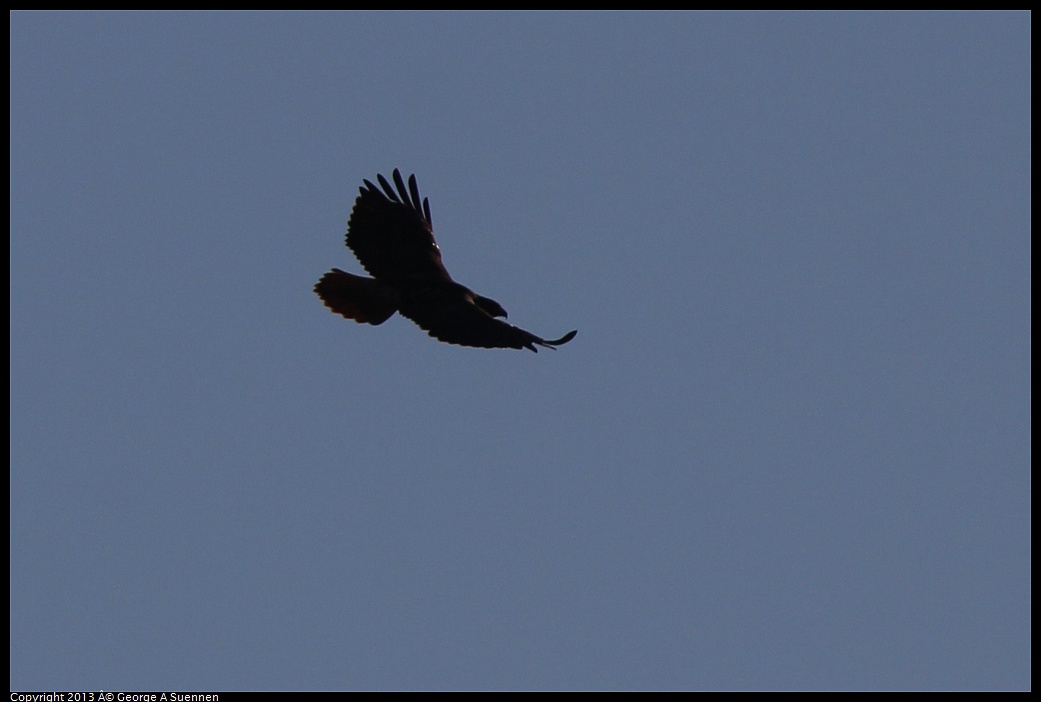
490,306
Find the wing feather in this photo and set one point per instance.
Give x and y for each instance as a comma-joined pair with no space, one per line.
399,181
388,188
413,189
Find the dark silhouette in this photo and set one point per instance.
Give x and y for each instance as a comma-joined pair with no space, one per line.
392,236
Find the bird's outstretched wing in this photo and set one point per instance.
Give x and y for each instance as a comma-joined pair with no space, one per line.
391,233
457,318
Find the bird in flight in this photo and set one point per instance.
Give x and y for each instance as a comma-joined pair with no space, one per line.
391,234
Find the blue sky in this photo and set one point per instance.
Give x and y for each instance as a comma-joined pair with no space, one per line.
789,448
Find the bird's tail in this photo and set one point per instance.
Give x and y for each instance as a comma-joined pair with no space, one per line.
354,297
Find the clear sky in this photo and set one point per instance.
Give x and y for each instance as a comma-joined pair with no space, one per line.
789,448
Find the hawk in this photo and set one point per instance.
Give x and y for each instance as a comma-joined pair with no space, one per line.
391,234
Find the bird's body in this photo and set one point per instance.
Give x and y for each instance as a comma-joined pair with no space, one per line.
393,238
